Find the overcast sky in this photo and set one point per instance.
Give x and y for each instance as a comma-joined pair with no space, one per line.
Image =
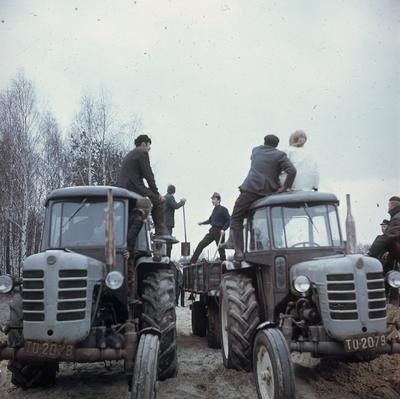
209,79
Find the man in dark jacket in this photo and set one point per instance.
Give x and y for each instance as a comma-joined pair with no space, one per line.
170,205
267,163
389,241
219,221
136,167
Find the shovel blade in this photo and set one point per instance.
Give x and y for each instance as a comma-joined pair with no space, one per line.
185,248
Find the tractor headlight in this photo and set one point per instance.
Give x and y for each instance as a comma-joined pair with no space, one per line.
6,284
393,279
301,284
114,280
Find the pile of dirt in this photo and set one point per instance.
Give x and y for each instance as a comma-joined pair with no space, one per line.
356,380
393,320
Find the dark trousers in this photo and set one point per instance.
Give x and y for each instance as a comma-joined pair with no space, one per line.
169,245
213,234
157,212
239,212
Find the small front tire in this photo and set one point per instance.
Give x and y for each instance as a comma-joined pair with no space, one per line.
273,368
144,380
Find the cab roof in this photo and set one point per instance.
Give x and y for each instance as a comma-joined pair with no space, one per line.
91,191
295,197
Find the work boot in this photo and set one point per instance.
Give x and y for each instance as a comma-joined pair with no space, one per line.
238,256
166,237
162,233
227,245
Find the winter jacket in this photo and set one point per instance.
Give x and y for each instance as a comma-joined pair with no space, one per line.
267,163
136,167
170,205
388,241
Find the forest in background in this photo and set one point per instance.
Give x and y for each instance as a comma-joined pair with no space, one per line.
36,156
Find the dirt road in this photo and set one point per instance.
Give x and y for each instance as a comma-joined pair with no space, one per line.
202,376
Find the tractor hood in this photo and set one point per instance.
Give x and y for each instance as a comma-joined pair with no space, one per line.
349,291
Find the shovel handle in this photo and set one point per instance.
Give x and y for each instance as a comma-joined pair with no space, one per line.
219,243
184,221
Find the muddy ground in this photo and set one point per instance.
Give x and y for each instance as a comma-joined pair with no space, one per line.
202,376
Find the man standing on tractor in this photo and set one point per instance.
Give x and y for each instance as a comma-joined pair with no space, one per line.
267,163
136,167
170,205
219,221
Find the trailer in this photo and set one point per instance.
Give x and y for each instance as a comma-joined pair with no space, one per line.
203,280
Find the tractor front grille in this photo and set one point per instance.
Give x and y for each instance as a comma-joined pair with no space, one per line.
33,295
376,296
342,295
72,294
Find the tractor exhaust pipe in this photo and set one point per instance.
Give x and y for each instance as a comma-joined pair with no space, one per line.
351,243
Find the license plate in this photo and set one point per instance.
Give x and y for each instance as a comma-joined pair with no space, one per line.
364,342
50,350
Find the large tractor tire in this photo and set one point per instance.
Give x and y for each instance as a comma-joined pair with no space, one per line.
159,312
144,380
273,368
199,319
28,375
213,327
239,314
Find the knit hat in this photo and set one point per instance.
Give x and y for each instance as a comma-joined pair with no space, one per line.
216,195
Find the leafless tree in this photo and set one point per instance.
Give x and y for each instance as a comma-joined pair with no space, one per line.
18,117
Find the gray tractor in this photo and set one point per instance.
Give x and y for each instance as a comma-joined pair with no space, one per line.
298,290
81,300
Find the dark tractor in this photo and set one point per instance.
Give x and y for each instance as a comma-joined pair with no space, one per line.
81,300
298,290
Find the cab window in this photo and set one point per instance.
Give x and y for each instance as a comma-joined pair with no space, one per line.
305,226
258,238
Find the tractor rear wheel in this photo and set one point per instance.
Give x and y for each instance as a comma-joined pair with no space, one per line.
239,314
159,313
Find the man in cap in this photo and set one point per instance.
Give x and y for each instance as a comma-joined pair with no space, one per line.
384,225
170,205
219,221
267,163
389,241
134,169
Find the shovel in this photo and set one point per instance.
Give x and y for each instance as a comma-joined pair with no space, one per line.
216,251
185,246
